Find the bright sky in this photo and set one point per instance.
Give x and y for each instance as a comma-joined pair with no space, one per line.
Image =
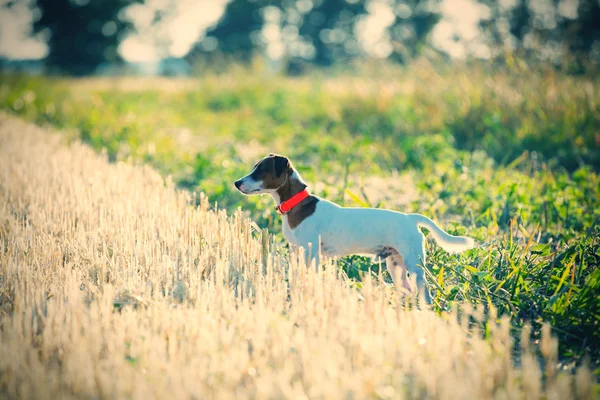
15,41
188,19
460,20
175,35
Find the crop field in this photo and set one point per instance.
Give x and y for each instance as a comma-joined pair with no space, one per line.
131,267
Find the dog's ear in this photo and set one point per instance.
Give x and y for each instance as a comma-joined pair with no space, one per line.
282,164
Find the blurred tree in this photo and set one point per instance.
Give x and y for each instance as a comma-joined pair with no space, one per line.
559,31
328,27
82,34
520,20
236,34
413,22
315,31
582,34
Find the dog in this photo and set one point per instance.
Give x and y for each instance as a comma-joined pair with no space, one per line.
321,227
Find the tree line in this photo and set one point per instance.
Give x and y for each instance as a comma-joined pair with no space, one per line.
83,34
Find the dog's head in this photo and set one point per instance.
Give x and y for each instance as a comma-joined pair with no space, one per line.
268,175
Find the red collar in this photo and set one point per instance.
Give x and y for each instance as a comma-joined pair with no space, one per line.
292,202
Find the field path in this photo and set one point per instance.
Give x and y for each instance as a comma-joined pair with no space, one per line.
113,286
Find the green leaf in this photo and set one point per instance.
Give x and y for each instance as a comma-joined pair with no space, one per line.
356,199
564,275
542,249
440,277
470,269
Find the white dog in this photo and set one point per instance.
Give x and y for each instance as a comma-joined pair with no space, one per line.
320,226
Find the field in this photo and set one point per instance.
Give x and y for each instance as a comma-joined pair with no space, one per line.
114,282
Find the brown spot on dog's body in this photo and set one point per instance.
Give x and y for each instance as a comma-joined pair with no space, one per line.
384,252
397,268
395,265
303,210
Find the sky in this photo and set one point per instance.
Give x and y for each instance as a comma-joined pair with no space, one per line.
15,40
183,26
188,19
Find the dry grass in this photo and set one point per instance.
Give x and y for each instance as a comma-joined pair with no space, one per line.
113,286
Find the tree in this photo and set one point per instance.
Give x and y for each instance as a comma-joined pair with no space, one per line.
413,22
329,27
320,32
236,34
559,29
582,34
82,34
317,31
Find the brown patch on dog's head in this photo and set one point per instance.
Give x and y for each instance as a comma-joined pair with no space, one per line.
270,173
273,171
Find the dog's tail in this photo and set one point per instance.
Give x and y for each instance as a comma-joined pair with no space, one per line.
452,244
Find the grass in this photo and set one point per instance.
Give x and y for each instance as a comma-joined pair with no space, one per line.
113,286
509,156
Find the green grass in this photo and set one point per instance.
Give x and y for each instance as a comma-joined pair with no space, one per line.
509,156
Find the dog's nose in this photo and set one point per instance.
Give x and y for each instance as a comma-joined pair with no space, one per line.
238,183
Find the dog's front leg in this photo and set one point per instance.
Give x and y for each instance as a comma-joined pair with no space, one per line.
311,252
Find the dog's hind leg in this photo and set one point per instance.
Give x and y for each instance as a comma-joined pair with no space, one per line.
413,264
397,269
414,261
